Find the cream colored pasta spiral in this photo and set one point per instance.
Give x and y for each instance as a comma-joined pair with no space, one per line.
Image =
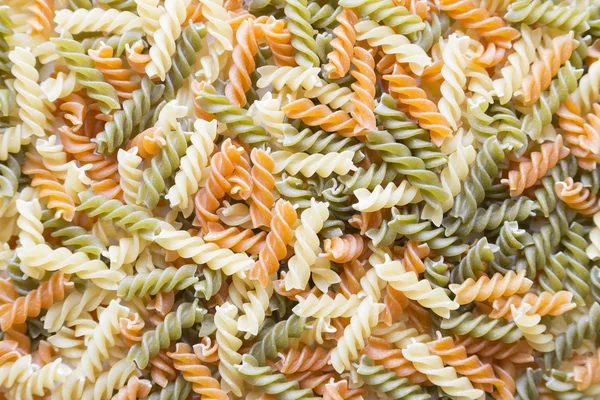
218,28
388,197
593,249
453,71
12,139
292,77
306,248
327,306
96,20
229,344
53,156
332,94
126,252
29,222
532,330
16,372
63,312
41,380
109,381
60,87
255,309
129,173
149,12
309,164
267,112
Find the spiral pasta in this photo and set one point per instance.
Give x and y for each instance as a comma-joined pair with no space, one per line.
96,20
559,16
492,288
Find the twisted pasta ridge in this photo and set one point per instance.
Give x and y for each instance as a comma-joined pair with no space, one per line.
339,390
134,389
279,39
97,20
179,389
321,115
73,306
74,236
345,38
234,117
49,186
322,17
31,305
207,199
541,114
237,240
209,286
41,21
527,384
29,221
89,77
509,128
518,352
129,174
186,315
510,240
388,383
16,372
43,378
578,263
262,196
493,288
509,210
308,165
490,27
303,360
9,351
113,71
547,13
474,261
185,56
243,64
479,180
332,95
433,30
255,310
203,253
327,306
290,77
271,383
319,142
229,345
577,197
444,377
535,168
388,13
343,249
582,138
478,372
453,72
364,88
125,121
518,63
545,303
543,70
407,281
156,281
277,337
306,248
482,327
375,175
196,373
387,197
21,283
284,216
302,33
382,353
11,140
533,331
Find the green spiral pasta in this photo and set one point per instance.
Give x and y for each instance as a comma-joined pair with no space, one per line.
544,194
595,281
5,23
559,16
324,47
186,315
387,13
376,174
163,165
117,42
480,178
487,219
320,141
234,117
72,236
130,218
466,323
339,203
542,111
481,253
578,274
209,284
436,272
265,5
586,327
563,387
554,273
408,132
179,389
87,74
121,5
8,101
125,121
527,384
399,156
591,181
433,30
580,53
322,17
509,129
10,172
510,240
186,55
77,4
271,382
387,382
22,283
295,190
302,33
480,122
277,337
158,280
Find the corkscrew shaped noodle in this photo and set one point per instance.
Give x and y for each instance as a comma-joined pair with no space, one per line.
264,183
382,353
284,216
41,21
444,377
193,371
532,330
545,303
486,288
540,162
577,197
290,77
343,249
243,64
561,17
302,33
278,37
134,389
97,20
387,383
156,281
30,306
235,239
405,89
322,116
308,165
307,359
207,199
327,306
113,71
229,344
364,88
343,44
453,71
387,197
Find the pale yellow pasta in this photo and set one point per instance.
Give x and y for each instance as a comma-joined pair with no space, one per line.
129,174
60,87
229,344
30,223
327,306
96,20
310,164
292,77
388,197
532,330
53,156
453,71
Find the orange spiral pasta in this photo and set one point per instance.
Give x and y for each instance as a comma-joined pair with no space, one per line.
279,39
515,353
280,236
49,187
589,373
135,389
235,239
241,180
113,71
414,253
536,167
8,294
136,59
546,68
206,351
197,374
481,374
366,220
486,288
43,14
433,72
322,116
307,359
506,371
264,183
17,334
193,13
494,29
9,351
577,197
147,142
581,138
30,306
316,381
243,64
207,199
343,43
109,188
395,302
43,355
350,277
162,370
363,98
343,249
339,391
407,92
74,110
380,351
164,302
131,330
545,303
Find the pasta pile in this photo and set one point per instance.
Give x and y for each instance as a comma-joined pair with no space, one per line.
293,199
